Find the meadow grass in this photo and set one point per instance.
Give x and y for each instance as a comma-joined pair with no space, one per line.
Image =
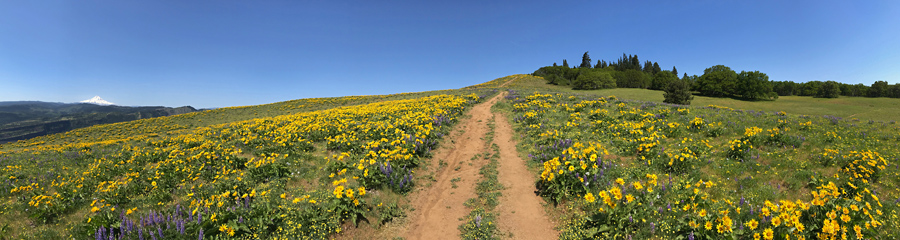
863,108
624,168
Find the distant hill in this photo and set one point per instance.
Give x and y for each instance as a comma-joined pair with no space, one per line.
27,119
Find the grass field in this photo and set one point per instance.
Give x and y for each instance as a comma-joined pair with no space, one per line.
876,109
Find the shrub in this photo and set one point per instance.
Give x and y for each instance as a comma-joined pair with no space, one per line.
678,92
590,80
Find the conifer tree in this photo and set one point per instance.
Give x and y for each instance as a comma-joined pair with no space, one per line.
678,92
565,64
585,61
656,68
675,71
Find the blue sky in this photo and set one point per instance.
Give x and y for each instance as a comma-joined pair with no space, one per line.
233,53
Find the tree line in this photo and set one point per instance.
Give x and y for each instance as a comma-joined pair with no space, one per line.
628,72
832,89
717,81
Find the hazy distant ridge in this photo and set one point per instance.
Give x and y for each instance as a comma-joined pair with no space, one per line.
27,119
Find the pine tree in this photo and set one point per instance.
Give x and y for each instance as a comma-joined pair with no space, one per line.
656,68
565,64
648,67
678,92
554,64
635,63
598,64
675,71
585,61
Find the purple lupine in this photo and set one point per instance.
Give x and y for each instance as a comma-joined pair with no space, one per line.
159,230
141,233
691,237
200,236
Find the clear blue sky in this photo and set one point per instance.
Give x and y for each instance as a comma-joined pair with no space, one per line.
231,53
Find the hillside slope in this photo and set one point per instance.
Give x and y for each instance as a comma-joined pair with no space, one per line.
25,120
607,167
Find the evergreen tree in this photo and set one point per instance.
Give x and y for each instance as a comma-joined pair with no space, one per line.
675,71
565,64
656,68
678,92
585,61
554,64
648,67
635,63
598,64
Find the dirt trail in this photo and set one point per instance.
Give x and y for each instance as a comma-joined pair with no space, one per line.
508,82
439,207
520,210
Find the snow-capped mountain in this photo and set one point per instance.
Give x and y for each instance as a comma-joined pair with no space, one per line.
97,100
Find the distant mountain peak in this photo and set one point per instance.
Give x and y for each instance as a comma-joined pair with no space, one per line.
97,100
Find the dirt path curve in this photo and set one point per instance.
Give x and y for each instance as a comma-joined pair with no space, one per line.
521,213
438,208
508,82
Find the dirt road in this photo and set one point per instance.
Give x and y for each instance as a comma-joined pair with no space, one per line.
439,208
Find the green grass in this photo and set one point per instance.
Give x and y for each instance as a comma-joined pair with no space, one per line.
863,108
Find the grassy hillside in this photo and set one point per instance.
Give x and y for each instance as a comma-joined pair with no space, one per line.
862,108
185,123
620,168
614,167
295,169
25,120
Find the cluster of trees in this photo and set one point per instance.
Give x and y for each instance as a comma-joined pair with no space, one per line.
832,89
716,81
628,72
721,81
